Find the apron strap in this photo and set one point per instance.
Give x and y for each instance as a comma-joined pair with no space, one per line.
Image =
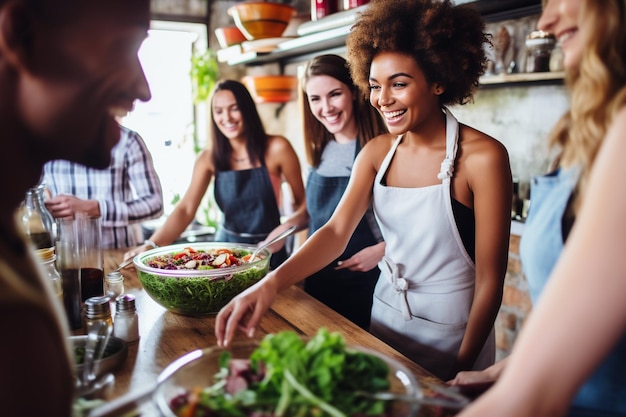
452,134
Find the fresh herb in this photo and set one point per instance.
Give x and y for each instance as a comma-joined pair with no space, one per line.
290,377
79,353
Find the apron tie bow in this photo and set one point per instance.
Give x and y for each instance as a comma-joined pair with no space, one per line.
400,284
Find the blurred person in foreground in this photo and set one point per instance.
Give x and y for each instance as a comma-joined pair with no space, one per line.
440,190
67,68
570,357
124,194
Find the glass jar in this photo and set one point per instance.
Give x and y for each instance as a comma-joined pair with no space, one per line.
37,220
47,259
114,285
351,4
539,46
323,8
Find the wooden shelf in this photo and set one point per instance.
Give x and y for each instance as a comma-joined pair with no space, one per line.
530,77
329,41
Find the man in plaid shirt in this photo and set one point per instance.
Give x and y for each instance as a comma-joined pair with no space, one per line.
125,194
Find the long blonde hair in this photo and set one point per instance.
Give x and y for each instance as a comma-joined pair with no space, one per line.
598,87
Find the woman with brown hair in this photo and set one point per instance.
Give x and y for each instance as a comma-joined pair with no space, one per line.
337,123
248,167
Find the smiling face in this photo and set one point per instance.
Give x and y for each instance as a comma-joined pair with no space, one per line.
226,114
82,70
562,18
400,92
332,103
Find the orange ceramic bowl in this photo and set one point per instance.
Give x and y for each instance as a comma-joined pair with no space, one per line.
260,20
227,36
271,88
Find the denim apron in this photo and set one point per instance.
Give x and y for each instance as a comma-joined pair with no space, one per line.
604,393
248,204
347,292
425,292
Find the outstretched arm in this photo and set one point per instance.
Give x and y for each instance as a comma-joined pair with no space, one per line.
244,312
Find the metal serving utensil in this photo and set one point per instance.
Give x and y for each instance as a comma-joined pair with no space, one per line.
453,399
271,242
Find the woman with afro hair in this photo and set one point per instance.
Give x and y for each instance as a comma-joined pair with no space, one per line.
441,192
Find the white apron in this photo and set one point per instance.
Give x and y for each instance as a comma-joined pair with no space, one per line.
424,295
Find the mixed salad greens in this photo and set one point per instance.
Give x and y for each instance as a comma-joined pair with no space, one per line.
286,376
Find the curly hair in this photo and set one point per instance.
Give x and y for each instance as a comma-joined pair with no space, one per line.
597,85
256,145
368,120
447,42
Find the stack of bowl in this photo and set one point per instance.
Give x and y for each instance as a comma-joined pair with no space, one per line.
271,88
261,20
228,36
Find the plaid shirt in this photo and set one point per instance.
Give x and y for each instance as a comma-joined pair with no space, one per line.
128,192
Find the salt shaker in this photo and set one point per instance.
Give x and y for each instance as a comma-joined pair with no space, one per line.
126,322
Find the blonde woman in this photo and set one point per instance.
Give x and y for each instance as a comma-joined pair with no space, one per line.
570,358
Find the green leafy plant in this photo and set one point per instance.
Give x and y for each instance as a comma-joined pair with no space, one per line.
204,73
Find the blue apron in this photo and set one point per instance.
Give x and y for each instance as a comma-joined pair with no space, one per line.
248,204
347,292
604,393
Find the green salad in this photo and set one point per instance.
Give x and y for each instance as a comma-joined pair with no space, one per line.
198,295
286,376
196,281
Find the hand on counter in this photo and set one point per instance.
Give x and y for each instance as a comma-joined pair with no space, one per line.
244,312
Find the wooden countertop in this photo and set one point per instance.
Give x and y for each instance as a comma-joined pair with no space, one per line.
165,336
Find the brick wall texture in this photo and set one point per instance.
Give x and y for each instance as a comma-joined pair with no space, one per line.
515,302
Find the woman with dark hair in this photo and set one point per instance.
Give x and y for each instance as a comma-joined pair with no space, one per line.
337,123
248,167
441,192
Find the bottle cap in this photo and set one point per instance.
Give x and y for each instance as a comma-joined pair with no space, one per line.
97,308
46,254
114,276
125,302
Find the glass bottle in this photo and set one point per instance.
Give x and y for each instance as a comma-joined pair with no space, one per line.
47,259
37,220
126,324
68,265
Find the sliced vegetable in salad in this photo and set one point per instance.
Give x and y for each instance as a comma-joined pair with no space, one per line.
286,376
190,258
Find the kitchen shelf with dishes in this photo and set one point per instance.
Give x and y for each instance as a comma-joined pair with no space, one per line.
550,77
329,34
